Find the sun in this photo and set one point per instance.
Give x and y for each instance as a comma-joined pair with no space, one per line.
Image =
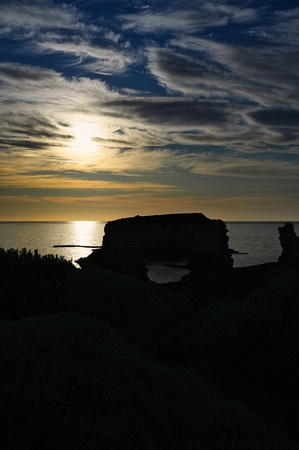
84,143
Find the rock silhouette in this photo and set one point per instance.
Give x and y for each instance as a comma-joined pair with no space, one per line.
201,241
290,245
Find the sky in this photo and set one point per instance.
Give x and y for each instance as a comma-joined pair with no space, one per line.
113,108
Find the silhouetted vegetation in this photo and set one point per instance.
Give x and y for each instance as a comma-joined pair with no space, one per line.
108,361
30,283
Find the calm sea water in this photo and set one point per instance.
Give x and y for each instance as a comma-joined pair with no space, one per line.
44,235
259,240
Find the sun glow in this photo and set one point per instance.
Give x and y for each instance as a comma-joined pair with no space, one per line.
83,139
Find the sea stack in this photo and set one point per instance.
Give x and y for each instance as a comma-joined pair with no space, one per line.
290,246
200,241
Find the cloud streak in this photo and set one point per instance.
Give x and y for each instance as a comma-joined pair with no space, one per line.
32,15
187,16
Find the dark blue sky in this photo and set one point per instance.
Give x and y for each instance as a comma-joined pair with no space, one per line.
117,108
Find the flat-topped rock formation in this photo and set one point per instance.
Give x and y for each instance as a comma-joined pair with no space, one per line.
201,241
290,245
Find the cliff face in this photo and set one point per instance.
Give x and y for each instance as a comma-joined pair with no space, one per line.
202,241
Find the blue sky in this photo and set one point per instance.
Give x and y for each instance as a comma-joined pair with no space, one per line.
116,108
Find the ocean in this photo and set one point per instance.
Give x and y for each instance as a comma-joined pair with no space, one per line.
257,242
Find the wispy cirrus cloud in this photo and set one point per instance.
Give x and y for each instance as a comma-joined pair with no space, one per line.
261,75
27,86
47,27
158,121
187,16
282,29
101,58
32,15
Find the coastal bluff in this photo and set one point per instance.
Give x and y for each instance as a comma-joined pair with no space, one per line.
193,237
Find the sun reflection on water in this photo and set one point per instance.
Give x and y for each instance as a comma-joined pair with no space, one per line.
85,233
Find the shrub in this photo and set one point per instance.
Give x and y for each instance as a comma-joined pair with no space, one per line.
30,283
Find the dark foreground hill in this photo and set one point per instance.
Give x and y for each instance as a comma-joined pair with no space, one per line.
91,359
